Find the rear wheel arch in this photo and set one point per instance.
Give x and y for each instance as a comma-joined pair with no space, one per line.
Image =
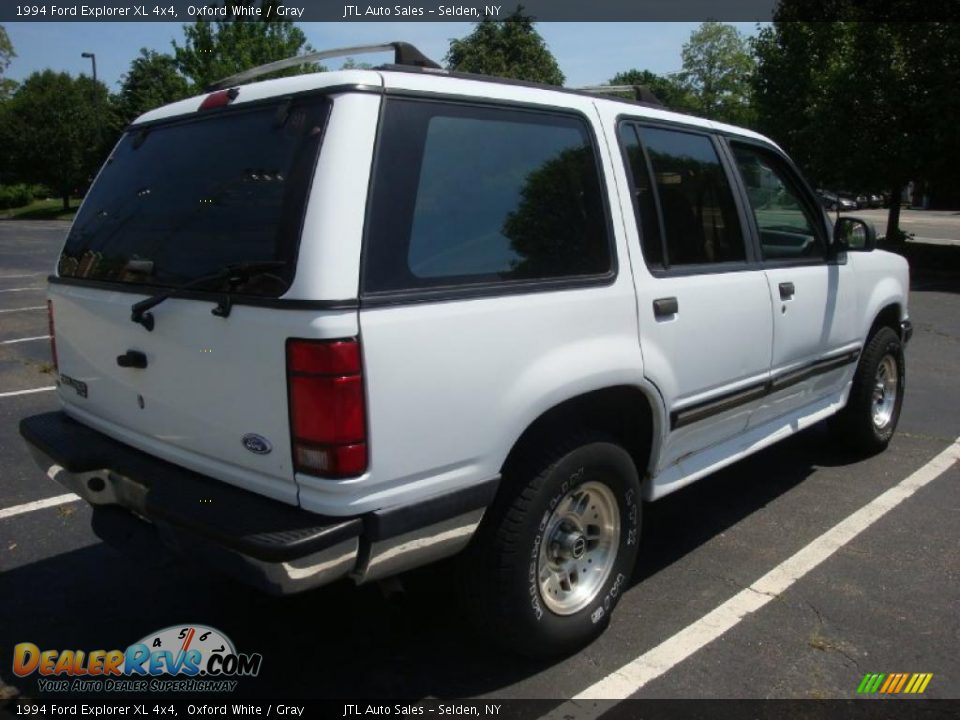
624,413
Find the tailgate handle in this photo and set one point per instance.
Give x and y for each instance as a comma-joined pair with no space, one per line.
132,359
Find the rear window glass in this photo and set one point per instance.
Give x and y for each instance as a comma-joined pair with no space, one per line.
181,200
468,195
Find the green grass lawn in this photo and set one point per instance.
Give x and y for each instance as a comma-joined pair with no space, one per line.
42,210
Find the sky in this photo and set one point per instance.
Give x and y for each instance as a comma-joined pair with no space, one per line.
588,53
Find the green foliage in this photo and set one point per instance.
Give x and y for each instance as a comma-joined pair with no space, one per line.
671,92
7,54
57,130
715,81
13,196
351,64
717,67
862,105
213,51
509,48
152,80
554,227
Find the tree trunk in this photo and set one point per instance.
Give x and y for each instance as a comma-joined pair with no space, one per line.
893,217
66,201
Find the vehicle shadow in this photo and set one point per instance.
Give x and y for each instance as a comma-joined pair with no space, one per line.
344,641
933,267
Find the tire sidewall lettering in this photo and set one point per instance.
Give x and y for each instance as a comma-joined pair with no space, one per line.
619,577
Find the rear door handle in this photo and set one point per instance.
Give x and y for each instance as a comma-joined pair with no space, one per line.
665,307
787,290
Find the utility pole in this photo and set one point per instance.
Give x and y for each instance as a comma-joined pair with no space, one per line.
93,59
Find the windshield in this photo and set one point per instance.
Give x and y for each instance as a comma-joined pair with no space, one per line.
181,200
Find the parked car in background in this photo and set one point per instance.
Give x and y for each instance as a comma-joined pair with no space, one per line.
876,200
836,201
848,201
828,199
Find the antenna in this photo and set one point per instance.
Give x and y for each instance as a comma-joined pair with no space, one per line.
404,54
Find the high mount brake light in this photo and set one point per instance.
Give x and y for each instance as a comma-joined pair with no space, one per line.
221,98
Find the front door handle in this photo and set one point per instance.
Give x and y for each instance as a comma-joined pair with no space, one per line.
665,307
787,290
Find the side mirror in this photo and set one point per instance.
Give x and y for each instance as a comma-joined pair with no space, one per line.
850,233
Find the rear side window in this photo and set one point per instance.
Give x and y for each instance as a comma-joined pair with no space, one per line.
643,196
697,213
467,195
186,198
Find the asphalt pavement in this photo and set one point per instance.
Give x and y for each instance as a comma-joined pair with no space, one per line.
931,227
887,600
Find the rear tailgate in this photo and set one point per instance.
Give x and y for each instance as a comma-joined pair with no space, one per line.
179,201
209,382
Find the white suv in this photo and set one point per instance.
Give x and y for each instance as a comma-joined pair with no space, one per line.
350,323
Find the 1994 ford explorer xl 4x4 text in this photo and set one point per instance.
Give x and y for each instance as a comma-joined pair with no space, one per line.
380,317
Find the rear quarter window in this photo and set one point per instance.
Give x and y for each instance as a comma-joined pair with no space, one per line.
467,195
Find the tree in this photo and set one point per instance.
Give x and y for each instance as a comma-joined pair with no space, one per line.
57,130
671,92
351,64
863,105
717,67
7,54
509,48
152,80
213,51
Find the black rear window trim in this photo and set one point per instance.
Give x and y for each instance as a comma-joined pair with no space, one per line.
294,258
279,303
483,289
475,291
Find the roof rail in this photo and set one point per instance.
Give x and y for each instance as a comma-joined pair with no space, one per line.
404,54
641,93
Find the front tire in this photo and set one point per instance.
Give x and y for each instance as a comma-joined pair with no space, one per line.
876,396
557,549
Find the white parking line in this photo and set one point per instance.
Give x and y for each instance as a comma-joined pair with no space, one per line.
38,505
11,277
627,680
27,392
20,340
35,307
22,289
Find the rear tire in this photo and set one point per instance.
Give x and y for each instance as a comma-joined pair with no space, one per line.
873,409
558,547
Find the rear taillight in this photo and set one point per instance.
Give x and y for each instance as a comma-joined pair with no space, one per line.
53,336
328,419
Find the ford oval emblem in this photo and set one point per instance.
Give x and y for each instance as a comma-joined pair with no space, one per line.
257,444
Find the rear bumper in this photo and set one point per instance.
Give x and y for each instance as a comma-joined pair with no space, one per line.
141,502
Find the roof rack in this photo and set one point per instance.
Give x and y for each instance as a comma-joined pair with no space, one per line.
404,54
641,93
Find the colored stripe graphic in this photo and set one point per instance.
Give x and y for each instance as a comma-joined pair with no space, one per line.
894,683
903,679
873,681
